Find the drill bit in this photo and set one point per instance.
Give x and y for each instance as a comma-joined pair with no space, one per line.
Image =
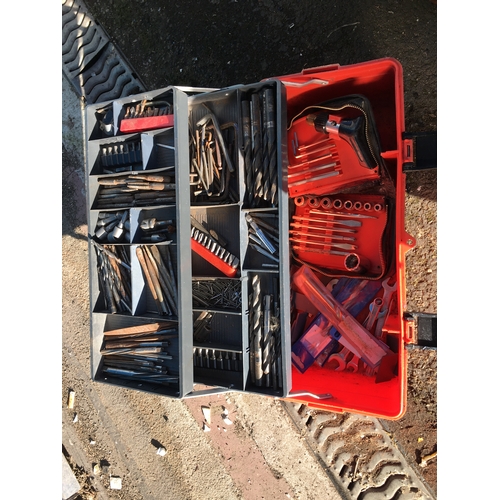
266,341
270,121
256,329
252,346
266,188
255,117
247,150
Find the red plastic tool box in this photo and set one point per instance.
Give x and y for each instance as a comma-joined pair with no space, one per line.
381,82
255,241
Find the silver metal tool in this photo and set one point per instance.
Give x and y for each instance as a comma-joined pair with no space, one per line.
325,235
118,230
337,361
256,130
331,244
309,227
261,250
386,303
260,234
342,222
343,214
270,126
301,248
154,223
374,308
256,330
353,364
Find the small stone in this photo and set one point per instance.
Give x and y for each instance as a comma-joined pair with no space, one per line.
161,451
115,482
206,413
71,399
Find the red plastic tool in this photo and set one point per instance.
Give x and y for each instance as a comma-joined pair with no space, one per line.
132,125
213,259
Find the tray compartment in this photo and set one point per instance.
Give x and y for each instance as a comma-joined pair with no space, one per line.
264,352
213,329
214,148
137,189
217,294
115,155
111,290
130,107
218,367
100,123
260,143
102,323
147,222
159,149
217,349
261,253
144,302
224,220
110,227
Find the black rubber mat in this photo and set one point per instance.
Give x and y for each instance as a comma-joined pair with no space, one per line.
90,61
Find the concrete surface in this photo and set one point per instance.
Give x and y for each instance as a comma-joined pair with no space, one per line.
70,485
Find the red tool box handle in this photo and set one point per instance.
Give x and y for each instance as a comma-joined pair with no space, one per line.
310,76
318,69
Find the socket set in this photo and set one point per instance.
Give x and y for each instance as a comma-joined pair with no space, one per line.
264,224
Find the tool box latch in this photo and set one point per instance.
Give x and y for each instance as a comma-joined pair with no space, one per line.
420,330
419,151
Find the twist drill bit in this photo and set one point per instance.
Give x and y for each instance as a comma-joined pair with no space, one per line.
247,150
252,346
256,329
265,151
270,121
266,341
255,117
279,365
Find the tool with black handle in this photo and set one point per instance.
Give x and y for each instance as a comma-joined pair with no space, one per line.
350,130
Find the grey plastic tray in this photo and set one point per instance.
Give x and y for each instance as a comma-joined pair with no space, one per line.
218,356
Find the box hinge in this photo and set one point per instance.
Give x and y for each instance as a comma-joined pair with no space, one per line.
420,330
419,151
